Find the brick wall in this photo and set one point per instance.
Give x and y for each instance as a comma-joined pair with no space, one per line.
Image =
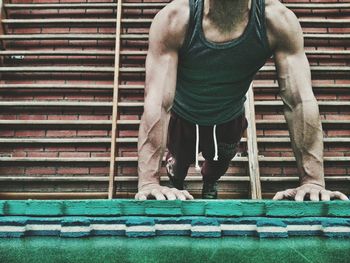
61,120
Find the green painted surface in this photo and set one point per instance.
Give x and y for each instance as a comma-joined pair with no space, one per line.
92,208
163,208
175,208
297,209
339,209
174,249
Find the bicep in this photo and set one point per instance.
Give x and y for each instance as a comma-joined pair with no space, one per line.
292,66
294,78
161,71
161,67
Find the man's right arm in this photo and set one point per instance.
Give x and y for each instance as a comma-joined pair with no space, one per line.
165,38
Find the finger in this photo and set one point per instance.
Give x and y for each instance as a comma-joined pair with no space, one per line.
157,194
187,194
325,195
179,195
340,196
290,193
299,197
142,195
314,195
169,194
279,196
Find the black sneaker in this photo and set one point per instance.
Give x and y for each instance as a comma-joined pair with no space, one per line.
175,182
209,190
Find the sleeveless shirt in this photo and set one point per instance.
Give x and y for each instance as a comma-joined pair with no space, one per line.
213,78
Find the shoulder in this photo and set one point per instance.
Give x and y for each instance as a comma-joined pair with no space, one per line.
283,26
170,23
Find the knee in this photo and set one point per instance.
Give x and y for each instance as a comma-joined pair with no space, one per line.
226,151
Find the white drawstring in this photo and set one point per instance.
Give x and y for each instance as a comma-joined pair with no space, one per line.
215,144
197,167
197,147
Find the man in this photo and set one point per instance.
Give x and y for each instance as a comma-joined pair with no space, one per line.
203,55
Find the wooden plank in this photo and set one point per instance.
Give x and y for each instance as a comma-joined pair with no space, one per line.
254,173
2,28
111,183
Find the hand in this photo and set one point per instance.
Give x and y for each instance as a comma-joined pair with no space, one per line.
312,190
162,193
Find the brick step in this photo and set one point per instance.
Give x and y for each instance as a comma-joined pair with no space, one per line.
67,86
71,69
135,159
62,36
329,124
257,87
65,104
76,178
189,178
133,140
145,22
328,70
62,52
124,104
58,195
278,103
152,5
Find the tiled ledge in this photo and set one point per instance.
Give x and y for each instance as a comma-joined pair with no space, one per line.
130,207
199,218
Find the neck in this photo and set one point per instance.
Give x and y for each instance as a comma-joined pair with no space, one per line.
227,14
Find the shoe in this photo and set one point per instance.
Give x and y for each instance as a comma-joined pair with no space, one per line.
209,190
175,182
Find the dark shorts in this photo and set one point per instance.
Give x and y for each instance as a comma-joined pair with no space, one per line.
181,140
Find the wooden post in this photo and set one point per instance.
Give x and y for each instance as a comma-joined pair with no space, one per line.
2,28
111,185
254,172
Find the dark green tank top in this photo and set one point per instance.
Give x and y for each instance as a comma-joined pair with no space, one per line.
213,78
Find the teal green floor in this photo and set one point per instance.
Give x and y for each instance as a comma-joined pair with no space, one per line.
173,249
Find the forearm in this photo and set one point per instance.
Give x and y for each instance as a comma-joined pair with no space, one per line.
307,140
151,146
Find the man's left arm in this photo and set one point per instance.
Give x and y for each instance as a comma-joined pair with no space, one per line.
301,112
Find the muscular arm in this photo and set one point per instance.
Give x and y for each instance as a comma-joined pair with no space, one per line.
161,69
300,110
